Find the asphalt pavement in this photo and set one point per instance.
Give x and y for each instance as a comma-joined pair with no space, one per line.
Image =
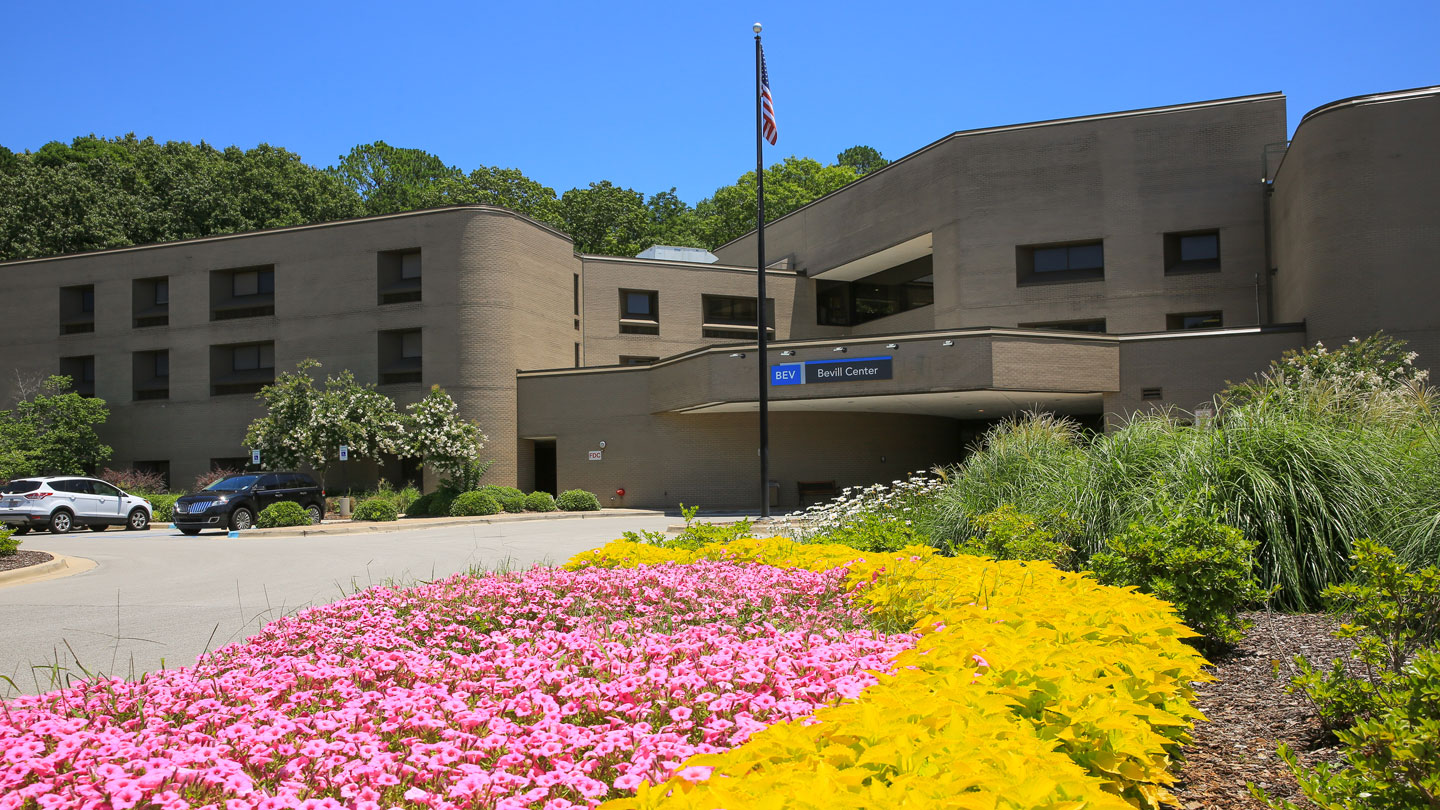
160,599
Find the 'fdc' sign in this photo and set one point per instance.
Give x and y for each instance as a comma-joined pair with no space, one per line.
822,371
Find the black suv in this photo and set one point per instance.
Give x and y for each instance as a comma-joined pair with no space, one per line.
233,503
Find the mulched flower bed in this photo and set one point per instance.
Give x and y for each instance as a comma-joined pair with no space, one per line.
24,559
1250,712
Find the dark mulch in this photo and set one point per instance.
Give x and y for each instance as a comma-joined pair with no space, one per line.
1250,712
24,559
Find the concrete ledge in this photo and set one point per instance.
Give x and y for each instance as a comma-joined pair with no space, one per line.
59,566
410,524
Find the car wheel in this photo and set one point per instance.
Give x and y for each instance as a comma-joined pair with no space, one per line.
98,527
139,520
60,522
190,532
241,519
315,514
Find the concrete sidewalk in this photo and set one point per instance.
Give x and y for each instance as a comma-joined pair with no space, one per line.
170,598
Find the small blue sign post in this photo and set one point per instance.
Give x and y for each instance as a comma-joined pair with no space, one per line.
255,457
344,452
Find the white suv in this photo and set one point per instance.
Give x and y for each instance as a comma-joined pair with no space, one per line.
63,502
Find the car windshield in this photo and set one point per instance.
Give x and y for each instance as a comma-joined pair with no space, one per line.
234,483
17,487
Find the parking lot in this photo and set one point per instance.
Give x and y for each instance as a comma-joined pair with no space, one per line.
158,596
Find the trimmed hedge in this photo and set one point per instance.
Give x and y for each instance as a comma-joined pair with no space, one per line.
500,493
513,503
540,502
578,500
284,513
475,503
376,509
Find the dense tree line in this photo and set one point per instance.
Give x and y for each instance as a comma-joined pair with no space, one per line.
96,193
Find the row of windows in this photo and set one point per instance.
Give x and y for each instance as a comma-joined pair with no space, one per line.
243,292
1174,322
722,316
1191,252
245,368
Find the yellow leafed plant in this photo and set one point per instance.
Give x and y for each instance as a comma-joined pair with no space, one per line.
1028,688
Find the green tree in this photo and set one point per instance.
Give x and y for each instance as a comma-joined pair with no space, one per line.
391,179
606,219
306,424
730,212
673,222
507,188
863,159
52,433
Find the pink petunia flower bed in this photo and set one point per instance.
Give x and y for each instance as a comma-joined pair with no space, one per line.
548,689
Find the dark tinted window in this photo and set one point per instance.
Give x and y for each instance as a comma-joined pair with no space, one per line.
234,483
17,487
73,485
1199,248
272,481
102,488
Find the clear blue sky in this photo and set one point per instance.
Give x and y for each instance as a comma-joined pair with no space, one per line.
654,95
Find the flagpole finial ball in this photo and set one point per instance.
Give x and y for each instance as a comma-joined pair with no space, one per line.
756,26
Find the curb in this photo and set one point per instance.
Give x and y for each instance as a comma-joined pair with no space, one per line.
366,527
55,568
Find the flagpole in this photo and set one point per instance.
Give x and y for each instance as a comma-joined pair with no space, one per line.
760,322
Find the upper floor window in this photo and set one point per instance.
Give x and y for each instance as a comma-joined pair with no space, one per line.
399,276
632,360
150,302
1192,252
640,312
730,316
81,371
889,292
401,356
245,292
1193,320
77,309
151,375
1078,261
1089,325
242,368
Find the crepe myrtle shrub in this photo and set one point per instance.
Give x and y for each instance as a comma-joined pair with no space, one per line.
470,504
284,513
305,424
577,500
376,509
540,502
449,445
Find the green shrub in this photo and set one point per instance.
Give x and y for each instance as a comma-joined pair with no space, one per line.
500,493
1191,560
474,503
376,509
577,500
162,507
1008,534
283,513
1386,713
513,503
405,497
421,505
9,544
436,504
874,532
540,502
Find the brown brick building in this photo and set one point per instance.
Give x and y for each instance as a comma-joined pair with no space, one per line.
1090,266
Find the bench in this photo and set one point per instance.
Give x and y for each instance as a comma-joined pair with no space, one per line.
813,492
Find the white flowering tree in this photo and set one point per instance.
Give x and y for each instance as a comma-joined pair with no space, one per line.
450,445
306,424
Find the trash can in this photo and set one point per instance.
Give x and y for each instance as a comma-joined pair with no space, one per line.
774,493
342,506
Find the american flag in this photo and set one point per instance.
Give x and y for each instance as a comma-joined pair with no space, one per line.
767,104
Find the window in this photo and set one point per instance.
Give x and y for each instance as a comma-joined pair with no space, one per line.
889,292
102,488
77,309
151,375
577,355
254,357
150,302
81,371
1192,320
1094,325
246,292
576,293
399,276
252,282
728,316
1197,252
631,360
401,357
639,312
1080,261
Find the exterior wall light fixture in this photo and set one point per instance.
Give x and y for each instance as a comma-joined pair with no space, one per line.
892,345
740,355
788,353
840,349
948,343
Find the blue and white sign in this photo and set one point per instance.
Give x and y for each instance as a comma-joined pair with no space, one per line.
344,452
820,371
255,457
